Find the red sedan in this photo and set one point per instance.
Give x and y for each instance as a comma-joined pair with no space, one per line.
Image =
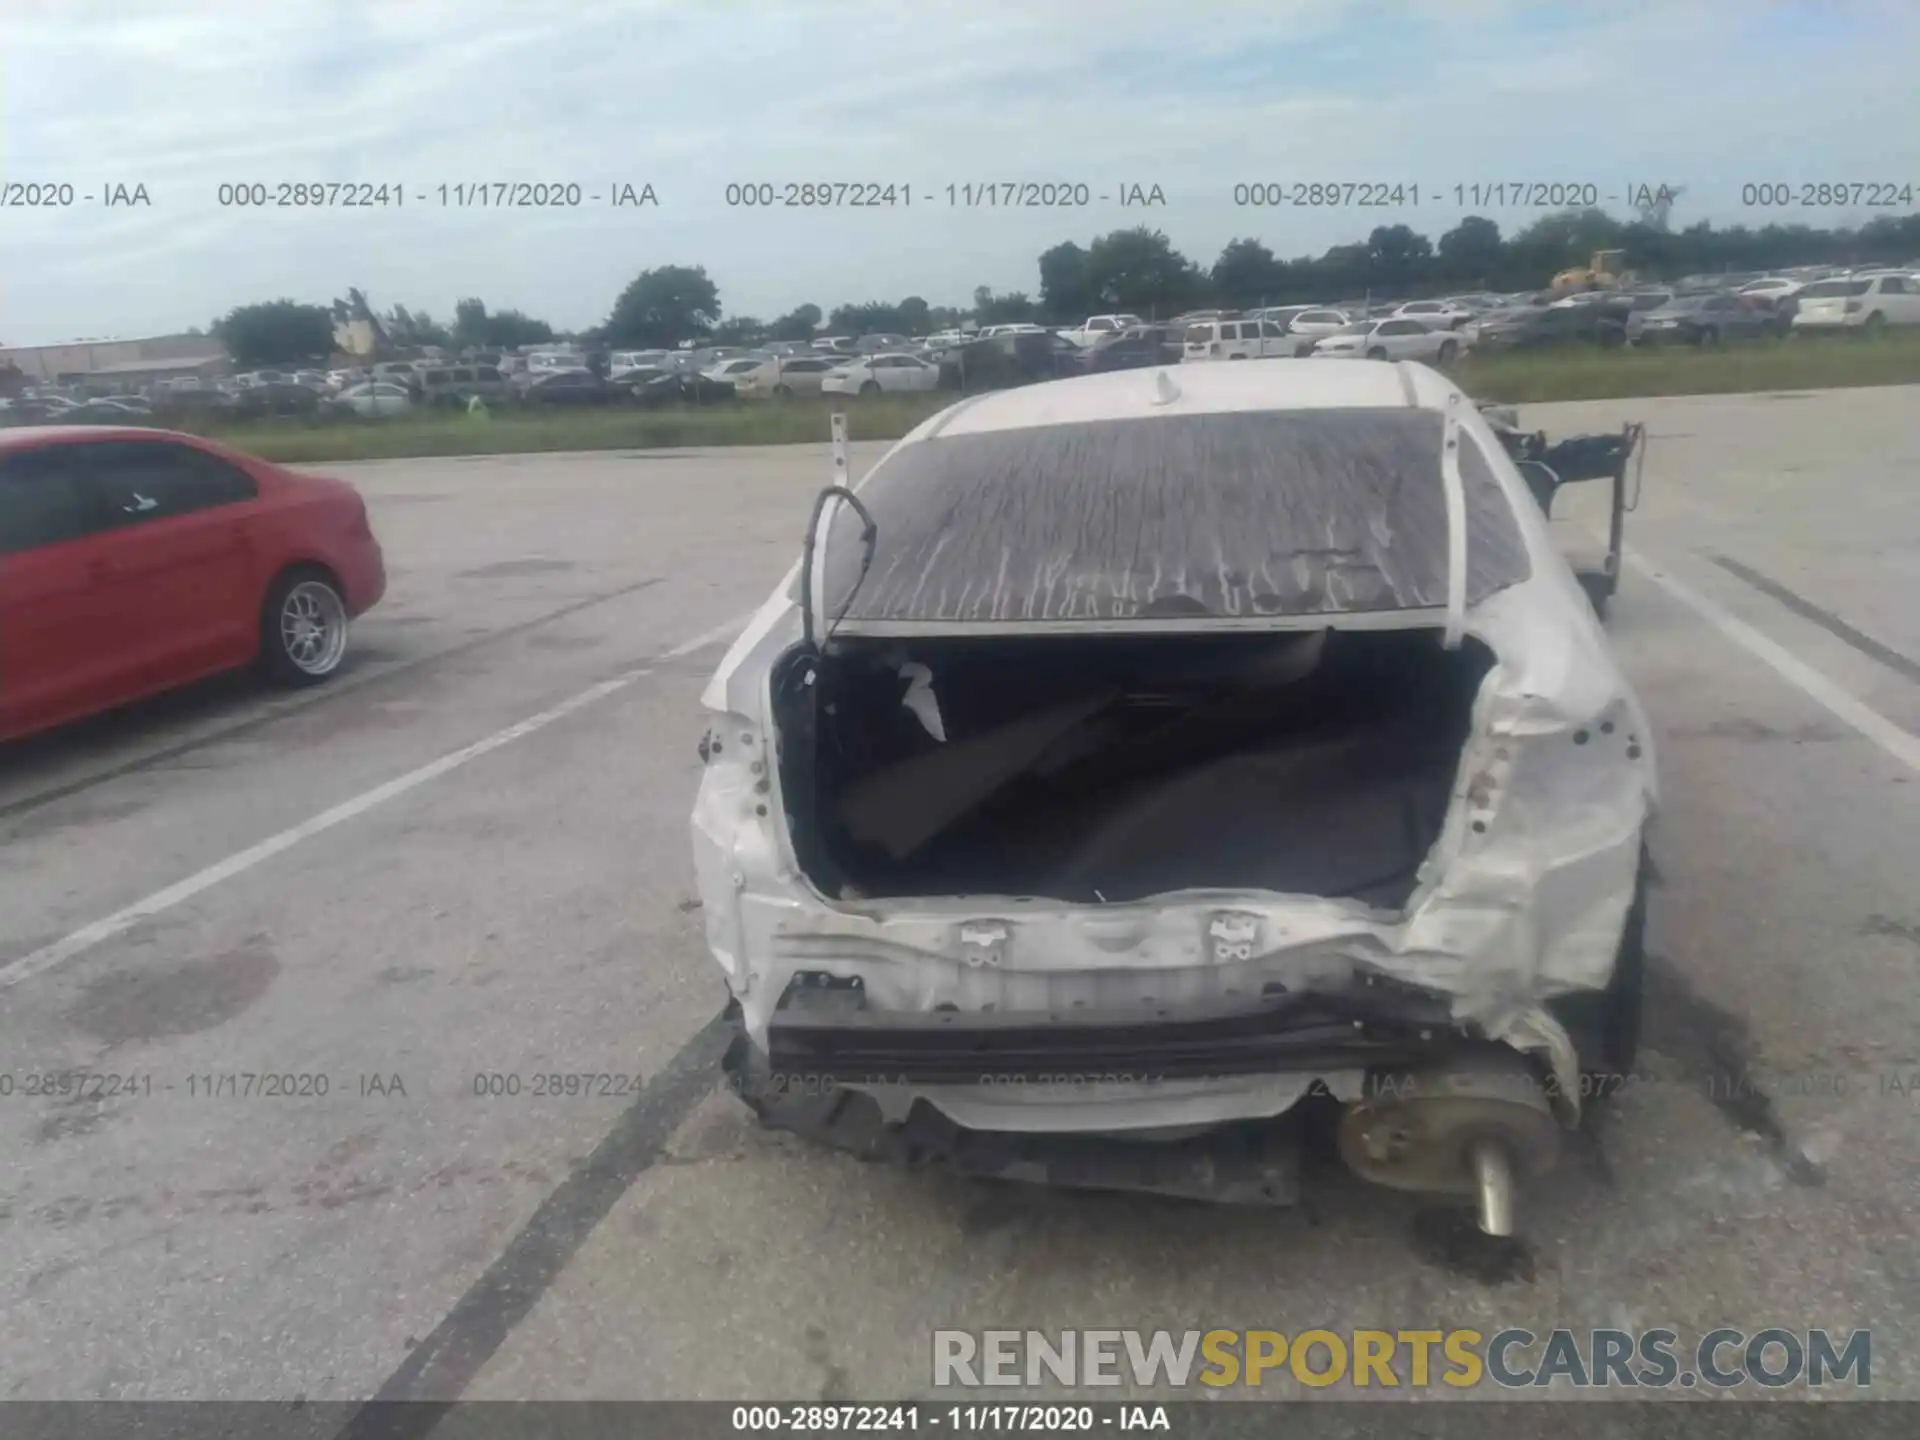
133,561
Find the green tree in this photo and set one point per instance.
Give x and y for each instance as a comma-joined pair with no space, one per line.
916,316
416,327
470,322
1012,308
875,317
475,329
1471,252
663,306
799,323
1064,291
276,332
1344,271
1398,257
739,330
1139,270
509,329
1246,274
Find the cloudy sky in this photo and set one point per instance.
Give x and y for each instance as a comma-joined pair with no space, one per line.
186,95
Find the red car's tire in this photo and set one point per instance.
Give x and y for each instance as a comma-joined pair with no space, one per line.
303,627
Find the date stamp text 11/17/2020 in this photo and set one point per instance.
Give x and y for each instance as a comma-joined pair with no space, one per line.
449,195
1059,194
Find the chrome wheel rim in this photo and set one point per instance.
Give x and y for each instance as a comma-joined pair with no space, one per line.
313,627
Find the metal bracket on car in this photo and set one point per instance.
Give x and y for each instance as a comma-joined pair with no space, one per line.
1232,936
983,944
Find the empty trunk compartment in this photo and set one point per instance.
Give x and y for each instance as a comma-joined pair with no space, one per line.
1094,769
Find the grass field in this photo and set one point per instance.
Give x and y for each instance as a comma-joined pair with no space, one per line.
1819,362
518,432
1815,363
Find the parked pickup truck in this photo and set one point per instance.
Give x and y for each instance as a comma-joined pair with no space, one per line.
1099,325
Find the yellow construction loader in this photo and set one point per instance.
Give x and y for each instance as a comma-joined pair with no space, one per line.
1605,271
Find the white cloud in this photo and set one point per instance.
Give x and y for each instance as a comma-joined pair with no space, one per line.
185,95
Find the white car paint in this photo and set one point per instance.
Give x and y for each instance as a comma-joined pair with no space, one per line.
1311,325
621,361
1434,314
1391,339
1859,301
1208,340
890,373
1281,315
1095,326
794,374
732,370
1519,901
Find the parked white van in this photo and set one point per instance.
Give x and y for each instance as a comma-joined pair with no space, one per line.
1865,302
1235,340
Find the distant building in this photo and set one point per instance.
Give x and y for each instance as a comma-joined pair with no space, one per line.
120,362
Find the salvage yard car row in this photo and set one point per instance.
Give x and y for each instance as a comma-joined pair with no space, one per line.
1700,311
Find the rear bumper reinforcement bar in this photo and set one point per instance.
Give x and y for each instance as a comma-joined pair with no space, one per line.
1366,1027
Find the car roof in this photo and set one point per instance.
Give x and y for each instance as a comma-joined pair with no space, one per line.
1201,389
25,437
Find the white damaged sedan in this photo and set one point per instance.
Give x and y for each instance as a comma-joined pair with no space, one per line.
1136,764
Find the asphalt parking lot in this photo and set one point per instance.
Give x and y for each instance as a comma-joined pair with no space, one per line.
468,859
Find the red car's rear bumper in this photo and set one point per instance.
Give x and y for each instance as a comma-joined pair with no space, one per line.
365,577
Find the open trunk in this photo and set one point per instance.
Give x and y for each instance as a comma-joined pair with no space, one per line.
1108,768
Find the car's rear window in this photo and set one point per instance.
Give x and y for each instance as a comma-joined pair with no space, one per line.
1220,516
1830,289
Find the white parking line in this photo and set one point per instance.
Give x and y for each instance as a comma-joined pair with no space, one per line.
1901,744
80,941
725,630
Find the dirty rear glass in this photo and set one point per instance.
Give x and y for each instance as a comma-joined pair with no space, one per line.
1237,515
